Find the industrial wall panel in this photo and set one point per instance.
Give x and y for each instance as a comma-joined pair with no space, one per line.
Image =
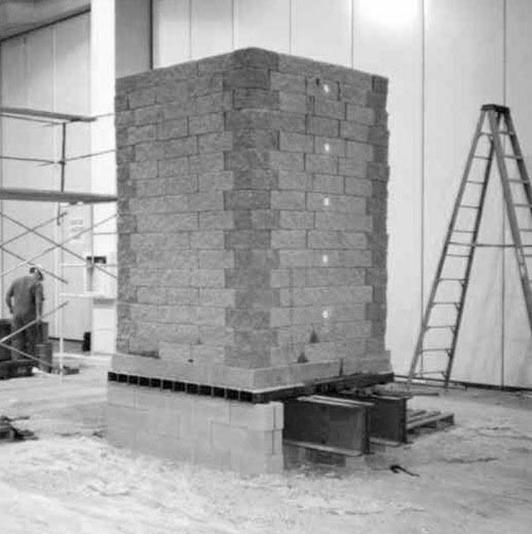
171,32
132,36
388,41
321,30
464,69
516,365
263,23
212,27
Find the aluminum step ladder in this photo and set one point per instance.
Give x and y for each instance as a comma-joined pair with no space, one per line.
494,139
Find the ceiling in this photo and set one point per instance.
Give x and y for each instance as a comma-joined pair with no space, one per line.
18,16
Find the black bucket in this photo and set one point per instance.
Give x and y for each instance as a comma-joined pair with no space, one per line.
5,330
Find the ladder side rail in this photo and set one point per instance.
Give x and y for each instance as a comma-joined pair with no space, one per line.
512,218
516,147
470,260
443,256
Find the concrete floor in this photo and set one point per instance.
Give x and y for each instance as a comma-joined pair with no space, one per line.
473,478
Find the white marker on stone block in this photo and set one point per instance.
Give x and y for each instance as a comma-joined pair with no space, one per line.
325,259
327,147
326,201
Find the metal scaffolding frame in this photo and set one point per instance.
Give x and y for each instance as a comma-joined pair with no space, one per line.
63,198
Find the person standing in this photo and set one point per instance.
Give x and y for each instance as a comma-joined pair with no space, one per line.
24,298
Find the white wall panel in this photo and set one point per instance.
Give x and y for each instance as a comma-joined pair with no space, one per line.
212,27
394,50
171,31
132,34
517,335
464,58
263,23
321,30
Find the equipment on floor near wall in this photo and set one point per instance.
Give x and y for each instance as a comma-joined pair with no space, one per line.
496,127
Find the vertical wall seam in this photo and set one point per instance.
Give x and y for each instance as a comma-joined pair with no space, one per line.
2,264
151,61
290,21
422,155
505,102
234,11
190,29
352,34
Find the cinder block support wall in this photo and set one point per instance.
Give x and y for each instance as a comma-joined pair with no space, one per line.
252,215
219,433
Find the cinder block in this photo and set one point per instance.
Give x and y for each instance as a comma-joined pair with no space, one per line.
246,98
288,200
219,181
236,239
120,395
288,82
323,126
215,142
202,124
288,239
333,109
279,415
257,417
294,142
206,163
174,351
362,151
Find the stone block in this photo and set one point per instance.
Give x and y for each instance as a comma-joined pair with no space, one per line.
288,82
217,181
293,142
202,124
323,126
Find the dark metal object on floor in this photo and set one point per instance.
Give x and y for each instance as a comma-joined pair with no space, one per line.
387,414
327,424
15,368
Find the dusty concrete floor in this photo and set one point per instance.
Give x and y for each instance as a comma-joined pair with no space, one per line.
473,478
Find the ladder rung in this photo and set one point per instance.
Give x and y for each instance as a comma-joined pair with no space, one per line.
481,157
469,206
455,243
516,181
525,230
441,326
464,231
451,279
476,182
505,132
458,255
436,350
445,303
512,156
523,205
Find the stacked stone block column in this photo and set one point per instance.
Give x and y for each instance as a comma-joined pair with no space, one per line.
252,231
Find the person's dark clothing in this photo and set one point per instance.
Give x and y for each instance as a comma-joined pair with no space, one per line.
24,299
